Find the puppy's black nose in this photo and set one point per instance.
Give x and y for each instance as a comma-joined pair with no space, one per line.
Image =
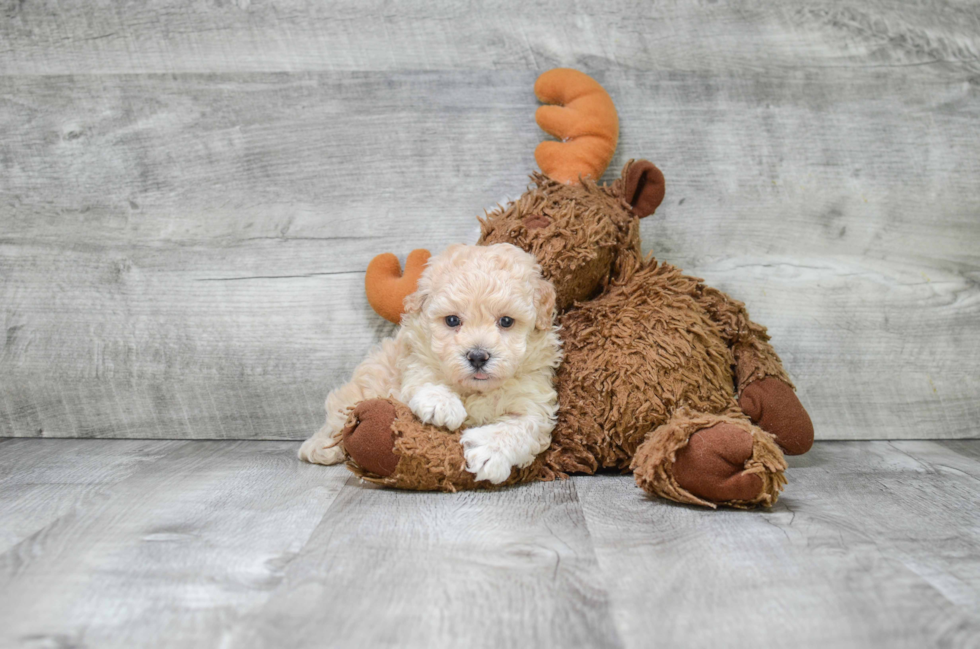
477,358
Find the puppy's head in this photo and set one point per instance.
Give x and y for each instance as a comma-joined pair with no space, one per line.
477,312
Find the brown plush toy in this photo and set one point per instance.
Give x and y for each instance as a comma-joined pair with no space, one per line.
662,375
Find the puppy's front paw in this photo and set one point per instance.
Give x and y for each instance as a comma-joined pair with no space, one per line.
483,455
318,450
439,406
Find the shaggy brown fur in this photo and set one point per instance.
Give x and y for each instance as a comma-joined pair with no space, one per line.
652,357
577,233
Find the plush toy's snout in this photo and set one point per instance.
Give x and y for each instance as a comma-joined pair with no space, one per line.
536,222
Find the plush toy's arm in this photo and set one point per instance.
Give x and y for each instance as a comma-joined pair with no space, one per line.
765,392
754,357
387,444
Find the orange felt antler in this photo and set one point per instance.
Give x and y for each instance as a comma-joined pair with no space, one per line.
387,287
585,120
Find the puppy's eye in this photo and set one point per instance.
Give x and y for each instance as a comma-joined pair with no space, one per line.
506,322
452,321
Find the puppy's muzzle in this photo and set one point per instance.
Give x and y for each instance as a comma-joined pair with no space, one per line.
478,358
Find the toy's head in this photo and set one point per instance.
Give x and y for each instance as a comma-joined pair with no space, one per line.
579,233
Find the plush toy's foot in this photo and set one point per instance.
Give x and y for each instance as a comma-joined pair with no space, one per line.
774,407
710,460
712,465
368,437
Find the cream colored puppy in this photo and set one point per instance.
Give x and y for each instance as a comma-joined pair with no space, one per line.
476,348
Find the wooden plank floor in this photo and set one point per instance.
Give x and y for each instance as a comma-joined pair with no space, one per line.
126,543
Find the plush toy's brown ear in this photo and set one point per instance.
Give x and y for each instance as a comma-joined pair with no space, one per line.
387,287
643,186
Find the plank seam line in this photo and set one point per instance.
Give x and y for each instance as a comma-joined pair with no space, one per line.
236,279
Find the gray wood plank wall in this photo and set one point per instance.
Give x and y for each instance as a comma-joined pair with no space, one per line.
190,192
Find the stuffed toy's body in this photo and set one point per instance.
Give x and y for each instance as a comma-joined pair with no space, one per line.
662,375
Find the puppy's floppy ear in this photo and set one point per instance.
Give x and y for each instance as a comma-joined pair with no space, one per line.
414,302
544,303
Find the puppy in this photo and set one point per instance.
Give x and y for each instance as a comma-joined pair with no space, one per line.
477,348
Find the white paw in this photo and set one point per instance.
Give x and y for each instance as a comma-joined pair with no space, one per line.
483,454
438,405
317,450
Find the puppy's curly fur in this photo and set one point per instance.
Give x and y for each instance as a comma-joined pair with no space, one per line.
487,302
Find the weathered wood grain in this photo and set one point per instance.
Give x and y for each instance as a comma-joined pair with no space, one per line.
187,342
182,256
172,555
822,165
872,544
391,568
231,543
42,482
58,37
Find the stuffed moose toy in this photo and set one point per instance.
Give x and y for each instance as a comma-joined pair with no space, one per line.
662,375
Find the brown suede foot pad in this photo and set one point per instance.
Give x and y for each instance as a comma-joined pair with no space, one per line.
712,465
773,406
710,460
368,438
